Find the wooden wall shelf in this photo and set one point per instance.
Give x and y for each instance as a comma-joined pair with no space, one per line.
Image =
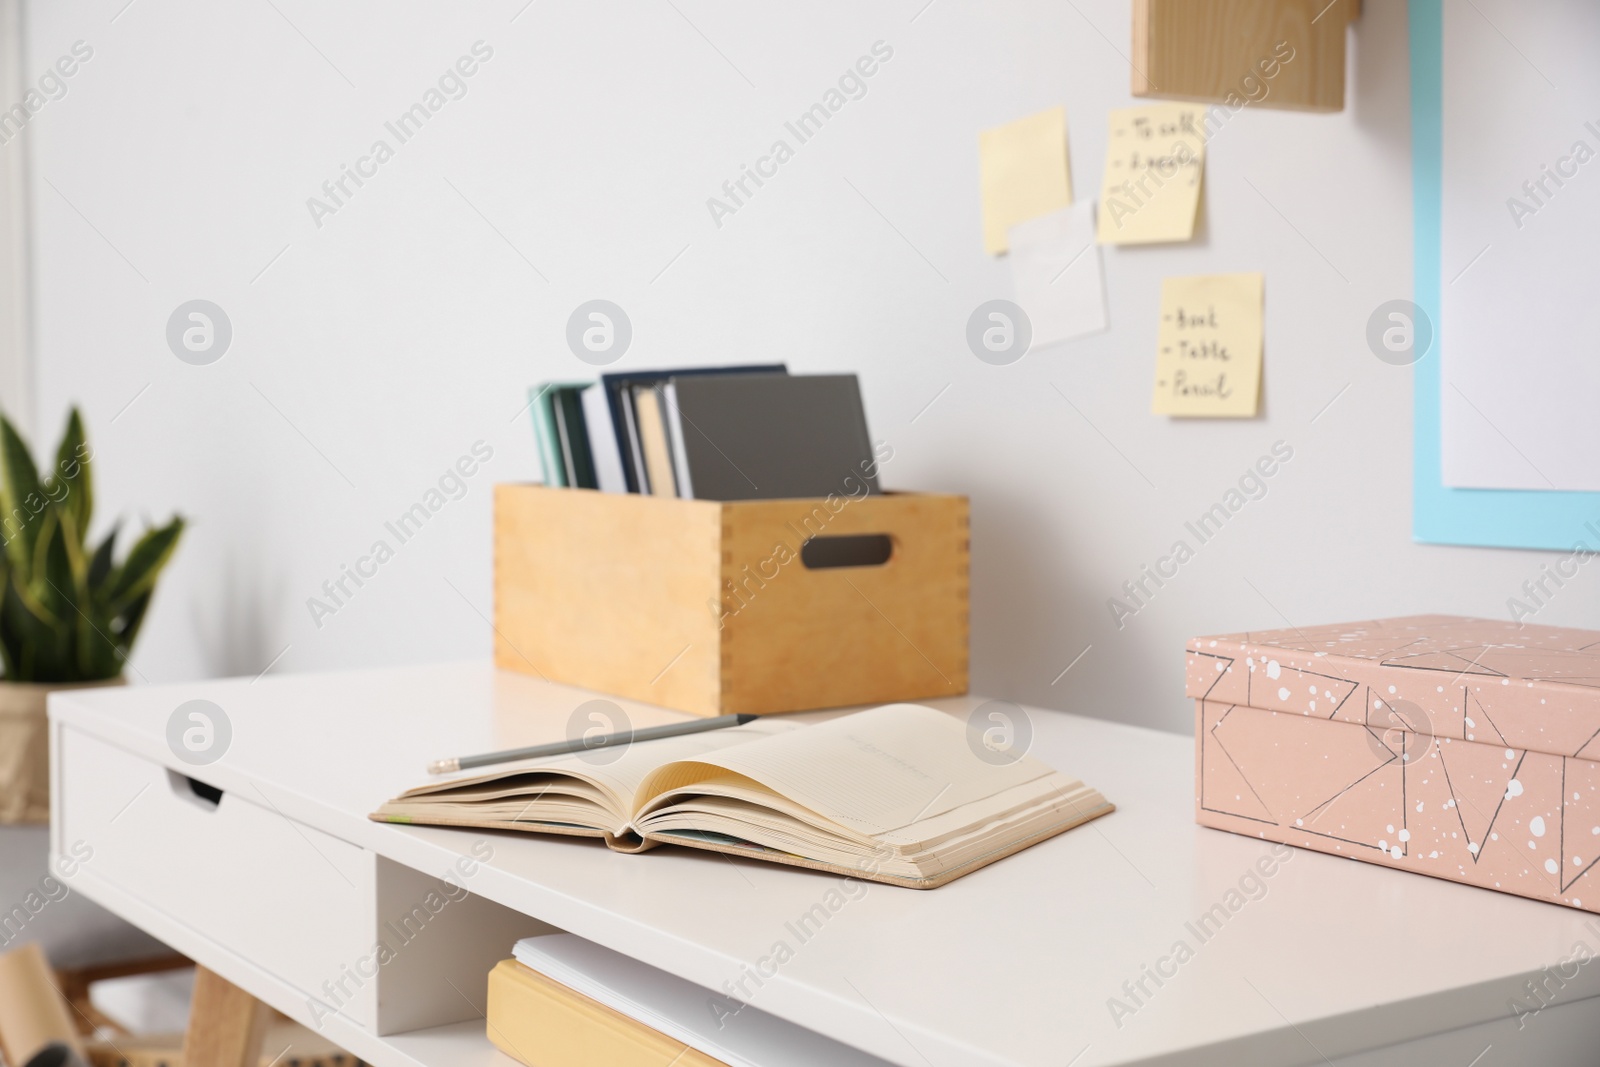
1269,53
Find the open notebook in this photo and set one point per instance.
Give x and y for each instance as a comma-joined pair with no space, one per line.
896,795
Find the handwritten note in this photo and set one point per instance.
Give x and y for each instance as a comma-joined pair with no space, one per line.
1023,173
1155,163
1208,359
1055,271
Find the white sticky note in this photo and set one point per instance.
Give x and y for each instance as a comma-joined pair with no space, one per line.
1055,269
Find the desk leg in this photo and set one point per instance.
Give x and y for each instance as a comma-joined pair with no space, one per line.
226,1024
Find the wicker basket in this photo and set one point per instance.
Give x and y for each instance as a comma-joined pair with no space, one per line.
25,749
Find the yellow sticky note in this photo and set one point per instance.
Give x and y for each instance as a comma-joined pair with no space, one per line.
1155,161
1024,173
1208,359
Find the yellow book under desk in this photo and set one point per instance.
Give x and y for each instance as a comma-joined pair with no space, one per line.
568,1002
540,1022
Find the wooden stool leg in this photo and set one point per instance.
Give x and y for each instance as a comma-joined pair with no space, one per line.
226,1024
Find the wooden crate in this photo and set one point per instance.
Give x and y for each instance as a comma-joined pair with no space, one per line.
1228,51
713,608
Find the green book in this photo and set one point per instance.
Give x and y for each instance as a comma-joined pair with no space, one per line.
546,431
573,434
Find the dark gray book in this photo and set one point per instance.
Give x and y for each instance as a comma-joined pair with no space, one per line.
625,419
769,436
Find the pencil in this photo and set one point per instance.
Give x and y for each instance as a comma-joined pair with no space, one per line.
584,744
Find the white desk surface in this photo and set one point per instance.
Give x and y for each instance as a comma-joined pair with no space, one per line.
1015,963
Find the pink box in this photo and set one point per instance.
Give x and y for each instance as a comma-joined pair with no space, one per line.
1458,748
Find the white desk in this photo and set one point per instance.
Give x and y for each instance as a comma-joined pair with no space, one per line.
286,885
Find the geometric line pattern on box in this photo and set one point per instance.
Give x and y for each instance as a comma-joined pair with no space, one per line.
1485,837
1527,686
1215,746
1473,710
1580,809
1478,813
1222,667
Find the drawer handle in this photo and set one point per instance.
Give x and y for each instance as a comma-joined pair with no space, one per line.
195,791
846,550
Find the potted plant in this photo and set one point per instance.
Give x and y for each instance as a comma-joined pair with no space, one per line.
68,614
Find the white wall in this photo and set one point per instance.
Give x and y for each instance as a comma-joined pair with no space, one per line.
375,350
16,384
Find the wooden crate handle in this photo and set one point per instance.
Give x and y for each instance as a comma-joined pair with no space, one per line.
828,551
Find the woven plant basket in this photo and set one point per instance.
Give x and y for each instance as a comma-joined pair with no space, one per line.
25,748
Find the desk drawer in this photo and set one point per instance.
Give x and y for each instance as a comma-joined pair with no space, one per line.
287,897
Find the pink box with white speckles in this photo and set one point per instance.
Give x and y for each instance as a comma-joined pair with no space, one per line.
1466,749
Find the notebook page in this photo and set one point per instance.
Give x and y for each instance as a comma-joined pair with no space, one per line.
877,770
620,770
633,763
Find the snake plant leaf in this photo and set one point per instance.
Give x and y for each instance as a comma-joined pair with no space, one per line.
52,584
104,556
30,578
72,549
75,565
14,624
139,571
7,659
71,484
23,629
132,619
67,613
103,653
20,494
48,578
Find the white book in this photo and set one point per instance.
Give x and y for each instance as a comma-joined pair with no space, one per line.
674,420
740,1035
603,447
